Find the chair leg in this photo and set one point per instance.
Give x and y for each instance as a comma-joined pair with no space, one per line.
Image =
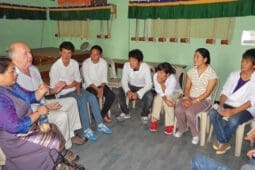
134,103
208,124
100,102
239,139
175,125
127,101
203,120
210,134
2,158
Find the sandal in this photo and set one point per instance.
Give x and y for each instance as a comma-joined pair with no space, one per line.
69,166
71,156
79,140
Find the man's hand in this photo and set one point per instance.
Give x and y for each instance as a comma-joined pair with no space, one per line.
41,91
134,96
59,86
54,106
226,112
100,92
129,94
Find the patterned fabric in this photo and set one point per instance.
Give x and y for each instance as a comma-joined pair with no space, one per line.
200,82
53,139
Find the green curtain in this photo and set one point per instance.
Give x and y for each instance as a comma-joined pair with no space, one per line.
214,10
95,14
9,11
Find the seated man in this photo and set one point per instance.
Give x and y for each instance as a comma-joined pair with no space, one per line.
236,103
136,84
62,112
94,71
67,70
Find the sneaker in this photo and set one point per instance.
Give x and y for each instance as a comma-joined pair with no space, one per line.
223,148
178,134
154,126
216,145
169,130
123,116
102,128
145,120
195,140
90,135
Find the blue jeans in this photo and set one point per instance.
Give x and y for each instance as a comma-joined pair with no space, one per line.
82,100
224,132
200,162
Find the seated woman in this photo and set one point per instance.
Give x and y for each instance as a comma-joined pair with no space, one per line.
236,103
200,82
168,91
24,145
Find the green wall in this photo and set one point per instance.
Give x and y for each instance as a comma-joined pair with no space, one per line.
225,58
34,32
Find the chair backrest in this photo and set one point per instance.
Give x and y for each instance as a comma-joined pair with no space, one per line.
81,74
180,76
152,68
111,67
214,94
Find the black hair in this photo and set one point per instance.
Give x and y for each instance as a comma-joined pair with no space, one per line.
166,67
67,45
4,64
137,54
250,54
205,54
98,48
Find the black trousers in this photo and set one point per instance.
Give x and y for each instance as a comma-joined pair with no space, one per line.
109,98
147,100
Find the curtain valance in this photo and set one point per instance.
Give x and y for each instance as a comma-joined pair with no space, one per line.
10,11
191,9
80,13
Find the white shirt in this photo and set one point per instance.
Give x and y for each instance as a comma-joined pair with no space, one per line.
31,82
240,96
172,86
140,78
60,72
94,73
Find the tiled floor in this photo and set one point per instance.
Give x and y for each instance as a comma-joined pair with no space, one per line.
133,147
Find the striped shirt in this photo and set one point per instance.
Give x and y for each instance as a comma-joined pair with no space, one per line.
200,83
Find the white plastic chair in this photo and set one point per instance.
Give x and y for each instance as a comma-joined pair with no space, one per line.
204,116
113,80
2,158
239,135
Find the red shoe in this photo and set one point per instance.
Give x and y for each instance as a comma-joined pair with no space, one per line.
154,126
169,130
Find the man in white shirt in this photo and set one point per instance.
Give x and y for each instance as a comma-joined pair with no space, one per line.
136,84
94,71
237,103
62,112
67,70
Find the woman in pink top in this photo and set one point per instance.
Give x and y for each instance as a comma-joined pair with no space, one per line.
200,82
